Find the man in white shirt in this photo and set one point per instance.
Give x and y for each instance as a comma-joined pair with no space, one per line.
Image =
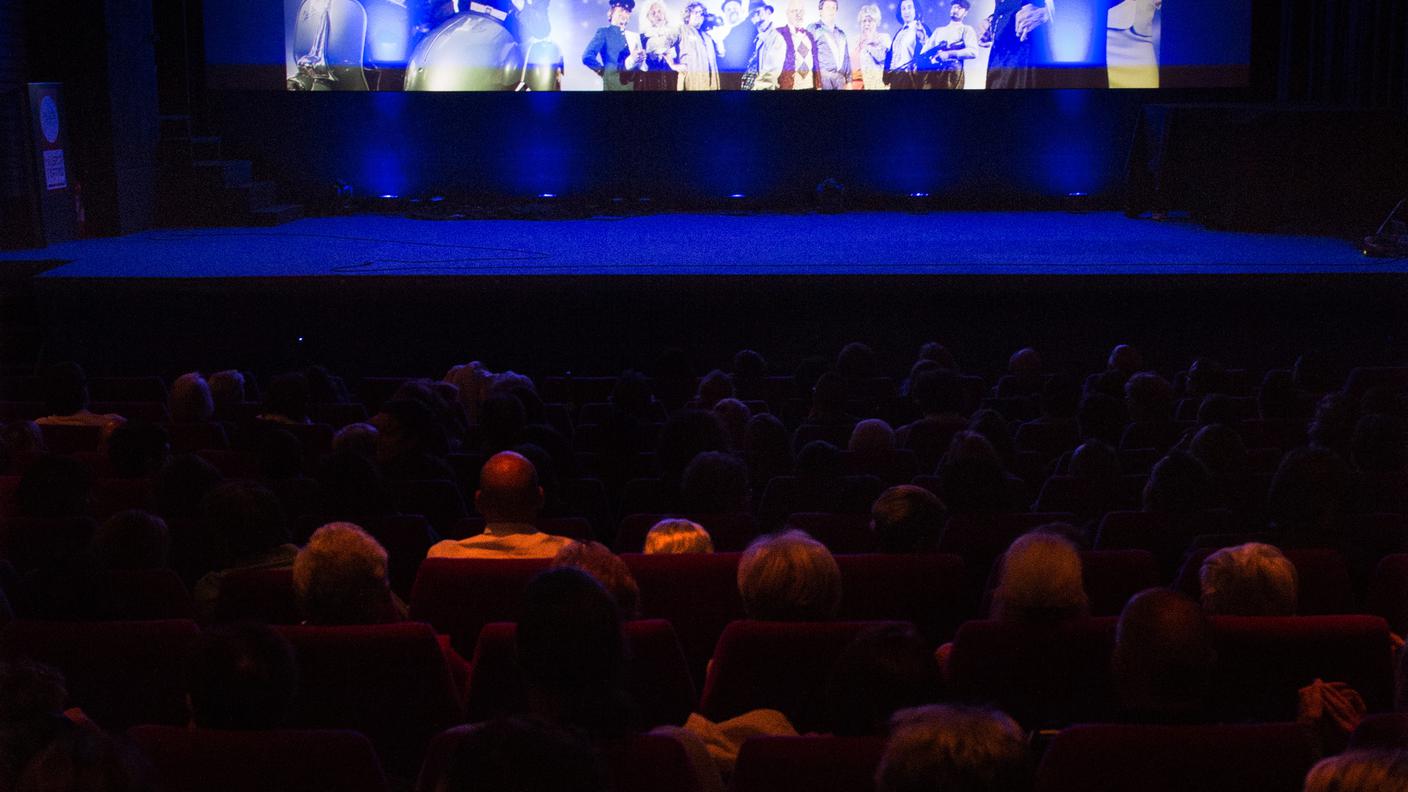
787,60
509,498
833,54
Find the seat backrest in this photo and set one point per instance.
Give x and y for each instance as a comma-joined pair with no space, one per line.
112,495
458,596
729,531
637,763
190,437
1387,731
437,500
264,595
1111,577
813,763
111,389
1263,661
61,439
655,674
150,594
1322,577
120,673
926,589
1268,757
980,538
1388,592
777,665
696,592
1042,675
1085,497
207,760
388,681
1167,536
406,538
841,533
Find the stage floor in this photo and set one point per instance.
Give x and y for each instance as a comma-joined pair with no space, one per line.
938,243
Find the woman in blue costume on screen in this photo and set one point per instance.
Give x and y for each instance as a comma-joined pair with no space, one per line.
902,71
1016,34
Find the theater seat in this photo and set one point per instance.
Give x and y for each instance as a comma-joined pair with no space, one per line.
458,596
777,665
263,595
1167,536
729,531
1110,578
1322,575
1388,592
841,533
388,681
120,673
437,500
112,495
980,538
1042,675
1387,731
696,592
656,674
638,763
208,760
61,439
149,594
813,763
1263,661
1270,757
924,588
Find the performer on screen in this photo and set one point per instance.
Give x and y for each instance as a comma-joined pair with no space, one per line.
696,59
760,14
614,52
833,57
948,47
901,65
329,44
787,61
1014,31
1131,52
658,37
869,51
738,46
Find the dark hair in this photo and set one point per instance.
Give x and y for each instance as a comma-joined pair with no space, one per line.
247,518
1101,416
501,421
1178,483
241,676
829,394
747,364
1308,491
138,449
133,539
279,453
971,475
991,425
713,483
899,11
855,361
182,485
937,391
908,519
288,396
524,754
351,486
882,670
85,760
54,487
65,388
687,434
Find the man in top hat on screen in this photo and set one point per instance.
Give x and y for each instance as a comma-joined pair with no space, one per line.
614,52
760,15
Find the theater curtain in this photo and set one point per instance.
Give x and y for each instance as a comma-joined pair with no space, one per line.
1344,52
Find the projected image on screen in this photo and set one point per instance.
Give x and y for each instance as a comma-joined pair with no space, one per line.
761,45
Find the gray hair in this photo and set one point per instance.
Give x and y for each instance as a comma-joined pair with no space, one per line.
340,576
948,746
869,10
1041,578
191,400
1253,579
789,576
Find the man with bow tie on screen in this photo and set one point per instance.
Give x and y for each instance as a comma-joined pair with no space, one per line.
788,58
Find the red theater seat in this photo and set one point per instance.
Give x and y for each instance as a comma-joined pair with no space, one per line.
980,538
895,467
1263,661
816,764
1166,535
777,665
263,595
1269,757
696,592
207,760
1086,498
784,495
458,596
1388,731
1322,575
1110,578
60,439
1050,440
656,674
1388,592
189,437
388,681
639,763
926,589
149,594
120,389
148,411
112,495
121,673
436,500
1042,675
841,533
730,532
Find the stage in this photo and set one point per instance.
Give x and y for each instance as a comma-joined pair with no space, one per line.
737,244
379,294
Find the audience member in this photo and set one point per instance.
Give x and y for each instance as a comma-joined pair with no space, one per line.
182,484
132,539
971,476
523,754
1360,771
673,536
856,362
509,498
607,569
249,525
408,441
241,677
287,400
1178,484
684,436
713,388
66,399
767,449
1102,417
938,395
954,747
734,416
277,454
138,449
908,519
53,488
357,438
1163,658
191,400
1379,450
883,670
227,390
872,437
715,483
995,429
1040,581
339,577
86,760
789,577
1248,580
1332,426
749,371
1096,461
1125,358
829,402
32,701
1307,495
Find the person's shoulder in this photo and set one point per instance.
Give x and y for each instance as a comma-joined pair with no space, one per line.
447,548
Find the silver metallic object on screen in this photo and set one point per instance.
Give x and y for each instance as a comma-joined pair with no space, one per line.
483,49
329,45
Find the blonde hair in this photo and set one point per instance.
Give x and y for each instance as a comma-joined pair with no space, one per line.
789,576
949,746
1041,579
1360,771
597,560
340,576
1253,579
868,10
678,536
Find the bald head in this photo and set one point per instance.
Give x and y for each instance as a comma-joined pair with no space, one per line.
508,489
1163,653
